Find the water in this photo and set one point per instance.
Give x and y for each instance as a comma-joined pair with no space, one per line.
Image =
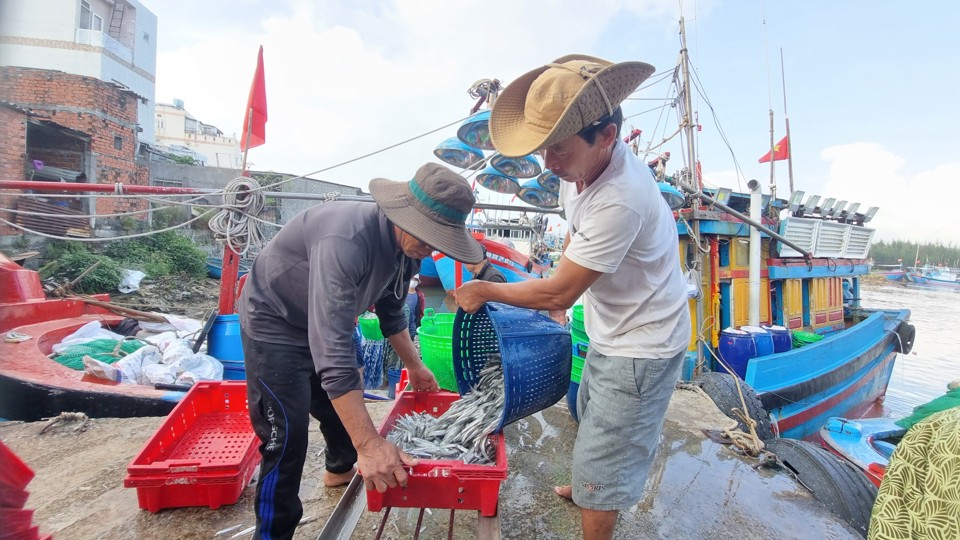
917,377
935,361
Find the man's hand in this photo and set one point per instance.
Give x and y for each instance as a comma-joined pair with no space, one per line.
469,297
381,464
422,379
559,315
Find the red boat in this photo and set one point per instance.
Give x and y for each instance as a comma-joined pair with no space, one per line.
32,385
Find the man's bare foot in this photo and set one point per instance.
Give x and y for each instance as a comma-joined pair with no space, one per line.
333,480
564,491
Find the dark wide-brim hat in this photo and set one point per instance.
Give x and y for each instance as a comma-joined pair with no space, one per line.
433,208
555,101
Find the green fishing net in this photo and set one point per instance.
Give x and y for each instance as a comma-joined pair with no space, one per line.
104,350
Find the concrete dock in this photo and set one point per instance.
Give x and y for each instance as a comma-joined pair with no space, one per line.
696,489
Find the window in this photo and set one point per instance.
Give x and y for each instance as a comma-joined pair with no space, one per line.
88,19
118,142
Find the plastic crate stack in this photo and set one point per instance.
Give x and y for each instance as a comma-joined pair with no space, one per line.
436,347
17,521
580,341
204,454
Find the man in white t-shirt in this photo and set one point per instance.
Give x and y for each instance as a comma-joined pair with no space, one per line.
621,254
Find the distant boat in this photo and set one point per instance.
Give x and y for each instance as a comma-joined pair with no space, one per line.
215,267
428,273
933,278
514,265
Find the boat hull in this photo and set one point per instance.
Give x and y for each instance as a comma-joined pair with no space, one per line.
841,375
861,442
514,266
215,267
34,387
428,273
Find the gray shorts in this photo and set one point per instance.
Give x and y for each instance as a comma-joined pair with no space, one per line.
621,404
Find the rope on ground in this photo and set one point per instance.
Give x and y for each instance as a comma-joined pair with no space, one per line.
749,443
235,224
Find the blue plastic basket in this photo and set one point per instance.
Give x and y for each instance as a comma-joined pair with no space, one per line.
534,349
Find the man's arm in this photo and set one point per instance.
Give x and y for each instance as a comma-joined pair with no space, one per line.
421,378
380,462
557,292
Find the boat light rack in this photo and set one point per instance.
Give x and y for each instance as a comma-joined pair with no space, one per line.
830,209
825,238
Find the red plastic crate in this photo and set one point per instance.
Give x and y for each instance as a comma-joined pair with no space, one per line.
441,483
14,473
14,520
204,453
32,533
12,498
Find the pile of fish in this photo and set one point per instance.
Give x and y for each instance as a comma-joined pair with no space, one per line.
462,432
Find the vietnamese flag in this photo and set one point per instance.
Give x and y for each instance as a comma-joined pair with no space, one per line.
781,151
255,115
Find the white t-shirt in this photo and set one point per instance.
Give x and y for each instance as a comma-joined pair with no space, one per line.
620,225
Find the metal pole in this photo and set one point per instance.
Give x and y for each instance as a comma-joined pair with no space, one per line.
753,311
692,163
786,118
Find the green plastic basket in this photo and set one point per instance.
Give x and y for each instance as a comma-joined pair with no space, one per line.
801,338
576,369
436,349
578,336
370,326
577,322
431,317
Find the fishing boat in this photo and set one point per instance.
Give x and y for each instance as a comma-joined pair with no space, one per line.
215,267
867,443
775,296
428,273
514,265
933,278
893,272
32,385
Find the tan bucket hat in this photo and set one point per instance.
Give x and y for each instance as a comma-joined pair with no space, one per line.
555,101
433,208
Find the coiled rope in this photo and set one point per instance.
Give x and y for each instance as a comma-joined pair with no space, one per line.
236,223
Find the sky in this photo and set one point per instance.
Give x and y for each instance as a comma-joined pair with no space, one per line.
868,85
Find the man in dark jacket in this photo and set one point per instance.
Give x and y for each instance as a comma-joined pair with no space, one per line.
297,313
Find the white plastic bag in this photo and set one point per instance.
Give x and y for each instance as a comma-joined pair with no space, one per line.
131,280
201,366
85,334
130,369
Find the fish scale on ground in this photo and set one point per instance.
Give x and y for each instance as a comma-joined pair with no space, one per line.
461,432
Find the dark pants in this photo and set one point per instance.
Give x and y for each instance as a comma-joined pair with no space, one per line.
283,390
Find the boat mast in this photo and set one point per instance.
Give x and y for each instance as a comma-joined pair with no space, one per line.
694,229
786,118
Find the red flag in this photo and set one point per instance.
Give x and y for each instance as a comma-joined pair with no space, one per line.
255,115
781,151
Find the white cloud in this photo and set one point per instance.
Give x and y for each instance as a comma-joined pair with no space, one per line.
911,205
343,80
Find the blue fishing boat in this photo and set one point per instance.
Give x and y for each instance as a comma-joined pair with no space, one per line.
514,266
837,357
868,443
428,273
215,267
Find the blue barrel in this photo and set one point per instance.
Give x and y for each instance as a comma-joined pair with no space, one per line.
762,338
736,349
782,337
223,343
534,350
572,400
